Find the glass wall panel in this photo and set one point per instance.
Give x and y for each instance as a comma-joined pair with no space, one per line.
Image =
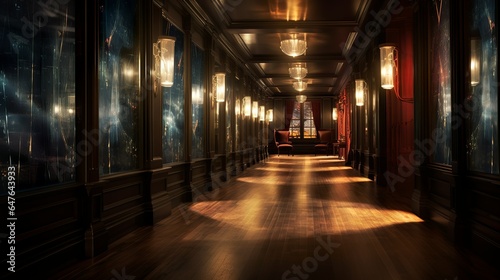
173,104
483,147
37,93
118,86
440,111
197,95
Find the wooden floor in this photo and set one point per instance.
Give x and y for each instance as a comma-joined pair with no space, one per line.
300,217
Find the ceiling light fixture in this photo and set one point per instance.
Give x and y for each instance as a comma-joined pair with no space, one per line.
300,85
297,71
301,98
293,46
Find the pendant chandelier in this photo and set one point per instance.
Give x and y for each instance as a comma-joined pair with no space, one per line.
297,71
301,98
293,46
300,85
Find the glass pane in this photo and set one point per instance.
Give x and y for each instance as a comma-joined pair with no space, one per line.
483,147
296,111
37,94
309,132
441,82
173,105
309,127
198,93
118,87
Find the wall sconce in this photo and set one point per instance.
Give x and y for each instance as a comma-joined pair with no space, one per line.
262,113
220,86
388,60
270,115
247,106
334,114
475,61
255,109
237,107
301,98
164,51
360,92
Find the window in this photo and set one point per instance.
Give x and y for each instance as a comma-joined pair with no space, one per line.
119,97
198,93
37,95
302,122
173,104
482,125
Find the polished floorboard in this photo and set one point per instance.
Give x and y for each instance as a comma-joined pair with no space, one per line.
300,217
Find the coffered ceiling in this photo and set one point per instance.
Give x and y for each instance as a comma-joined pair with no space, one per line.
255,28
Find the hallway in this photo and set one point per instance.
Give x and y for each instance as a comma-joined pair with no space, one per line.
300,217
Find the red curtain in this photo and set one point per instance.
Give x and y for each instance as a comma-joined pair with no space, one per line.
316,109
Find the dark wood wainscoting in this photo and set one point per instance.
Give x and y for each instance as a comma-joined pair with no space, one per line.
123,198
483,200
158,205
441,202
179,184
49,227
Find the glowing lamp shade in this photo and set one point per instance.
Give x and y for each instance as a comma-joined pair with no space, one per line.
237,107
247,106
301,98
255,109
360,92
294,46
165,54
334,114
262,113
475,58
387,64
270,115
297,71
220,88
300,85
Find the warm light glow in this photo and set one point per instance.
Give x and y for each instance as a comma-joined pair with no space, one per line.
270,115
300,85
57,109
196,96
166,51
387,64
262,113
360,92
255,109
301,98
220,92
475,58
237,107
294,46
297,71
334,114
247,106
